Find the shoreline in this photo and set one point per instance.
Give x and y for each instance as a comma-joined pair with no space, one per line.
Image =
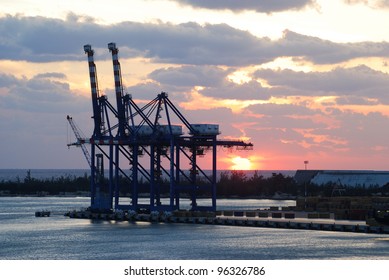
145,196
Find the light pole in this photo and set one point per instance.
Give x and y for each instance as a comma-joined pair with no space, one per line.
305,186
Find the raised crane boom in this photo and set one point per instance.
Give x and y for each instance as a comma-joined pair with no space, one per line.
118,89
94,91
80,141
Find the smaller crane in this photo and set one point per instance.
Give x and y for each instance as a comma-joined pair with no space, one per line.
80,140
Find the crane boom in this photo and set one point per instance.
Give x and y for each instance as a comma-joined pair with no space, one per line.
118,88
94,91
80,141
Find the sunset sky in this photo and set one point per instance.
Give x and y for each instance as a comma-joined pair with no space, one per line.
300,79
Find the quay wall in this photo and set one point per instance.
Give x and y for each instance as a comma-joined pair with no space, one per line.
238,218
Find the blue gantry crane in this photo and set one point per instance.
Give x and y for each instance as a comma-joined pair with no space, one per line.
148,152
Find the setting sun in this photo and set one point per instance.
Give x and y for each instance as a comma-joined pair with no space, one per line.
241,163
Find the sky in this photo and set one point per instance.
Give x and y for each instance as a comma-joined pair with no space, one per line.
303,80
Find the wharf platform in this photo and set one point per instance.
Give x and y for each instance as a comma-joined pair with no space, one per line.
274,219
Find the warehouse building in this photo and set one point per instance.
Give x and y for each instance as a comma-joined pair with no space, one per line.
346,178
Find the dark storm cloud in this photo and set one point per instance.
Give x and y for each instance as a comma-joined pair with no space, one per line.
41,39
262,6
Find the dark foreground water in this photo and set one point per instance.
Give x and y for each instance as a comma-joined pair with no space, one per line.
22,236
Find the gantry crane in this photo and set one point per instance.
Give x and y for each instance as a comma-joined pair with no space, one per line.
155,131
96,103
80,140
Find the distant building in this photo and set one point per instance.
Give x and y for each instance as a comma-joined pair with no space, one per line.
346,178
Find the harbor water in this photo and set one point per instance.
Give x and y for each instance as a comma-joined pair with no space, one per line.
25,237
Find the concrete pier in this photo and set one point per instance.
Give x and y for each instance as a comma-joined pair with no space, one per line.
283,219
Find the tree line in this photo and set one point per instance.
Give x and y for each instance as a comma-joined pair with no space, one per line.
231,184
50,186
237,183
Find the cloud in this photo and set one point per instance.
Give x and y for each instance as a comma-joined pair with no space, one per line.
191,43
210,81
190,76
21,39
384,3
322,51
6,80
371,3
51,75
262,6
358,85
288,120
352,2
340,139
33,121
363,132
146,90
211,116
251,90
272,109
32,109
360,81
40,39
40,94
35,39
355,100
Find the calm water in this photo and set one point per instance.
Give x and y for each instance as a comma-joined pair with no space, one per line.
22,236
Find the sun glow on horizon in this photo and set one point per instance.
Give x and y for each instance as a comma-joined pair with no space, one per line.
240,163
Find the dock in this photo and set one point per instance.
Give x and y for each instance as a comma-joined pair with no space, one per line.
261,219
42,213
